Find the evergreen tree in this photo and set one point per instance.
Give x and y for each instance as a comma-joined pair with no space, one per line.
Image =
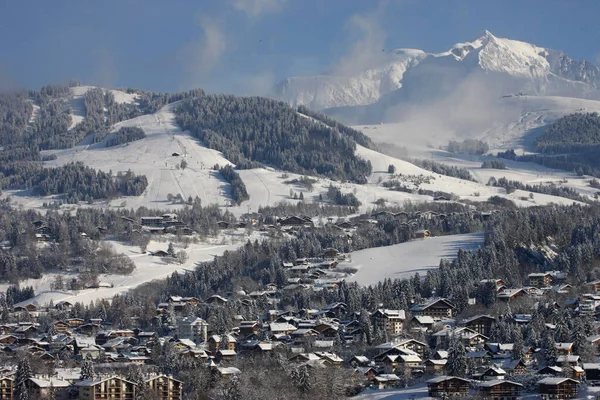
457,360
24,372
135,375
549,349
518,351
87,369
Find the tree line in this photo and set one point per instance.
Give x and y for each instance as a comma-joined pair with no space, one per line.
238,188
251,131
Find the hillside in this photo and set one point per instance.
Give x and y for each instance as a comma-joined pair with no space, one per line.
574,133
251,131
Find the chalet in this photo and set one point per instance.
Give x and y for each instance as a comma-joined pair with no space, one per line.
595,342
438,309
225,355
592,371
492,373
540,280
564,348
335,309
553,370
215,343
6,387
359,361
165,387
422,323
444,386
364,373
407,346
595,286
422,234
386,381
435,367
513,367
160,253
216,299
114,388
48,388
500,389
558,388
248,328
330,253
468,336
389,320
568,359
480,323
295,221
511,294
60,327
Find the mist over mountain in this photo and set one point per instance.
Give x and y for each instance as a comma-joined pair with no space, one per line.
483,70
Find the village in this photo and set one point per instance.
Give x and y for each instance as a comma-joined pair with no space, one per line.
417,347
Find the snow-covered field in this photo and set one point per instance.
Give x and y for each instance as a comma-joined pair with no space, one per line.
405,259
411,393
148,268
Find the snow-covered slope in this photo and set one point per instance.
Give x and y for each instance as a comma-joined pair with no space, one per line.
406,259
505,122
75,101
507,65
153,157
326,91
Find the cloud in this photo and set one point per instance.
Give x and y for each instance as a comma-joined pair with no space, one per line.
465,107
202,55
256,8
366,50
597,59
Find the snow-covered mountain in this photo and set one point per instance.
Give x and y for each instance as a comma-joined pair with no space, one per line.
326,91
503,66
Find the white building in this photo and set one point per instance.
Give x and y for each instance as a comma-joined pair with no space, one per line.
193,328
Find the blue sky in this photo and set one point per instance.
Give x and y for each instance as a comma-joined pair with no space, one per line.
244,46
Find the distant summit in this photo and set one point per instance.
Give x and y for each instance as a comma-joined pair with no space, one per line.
522,67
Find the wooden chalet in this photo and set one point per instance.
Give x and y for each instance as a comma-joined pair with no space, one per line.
500,389
438,309
435,367
445,386
557,388
6,387
480,323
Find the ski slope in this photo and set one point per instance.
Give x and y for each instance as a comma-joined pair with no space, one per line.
76,103
153,157
148,268
406,259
